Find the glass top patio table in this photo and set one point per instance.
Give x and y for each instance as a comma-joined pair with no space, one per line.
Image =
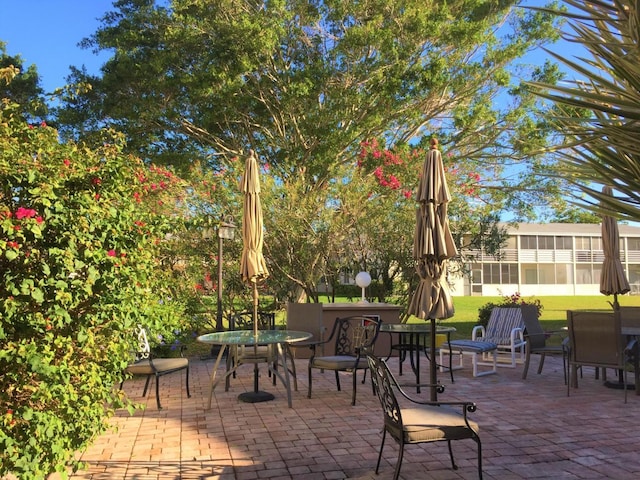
250,338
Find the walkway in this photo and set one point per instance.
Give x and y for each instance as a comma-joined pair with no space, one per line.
529,429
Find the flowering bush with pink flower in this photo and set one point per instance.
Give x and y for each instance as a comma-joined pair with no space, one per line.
80,231
399,169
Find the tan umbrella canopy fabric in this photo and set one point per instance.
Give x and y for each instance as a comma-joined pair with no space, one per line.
613,280
253,267
433,246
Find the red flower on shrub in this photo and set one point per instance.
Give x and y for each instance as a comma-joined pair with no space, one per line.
25,213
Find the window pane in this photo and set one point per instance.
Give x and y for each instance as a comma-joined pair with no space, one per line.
583,243
633,243
491,273
545,243
564,243
583,274
529,274
528,242
546,273
564,274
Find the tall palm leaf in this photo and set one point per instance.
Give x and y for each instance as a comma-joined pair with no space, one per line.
602,147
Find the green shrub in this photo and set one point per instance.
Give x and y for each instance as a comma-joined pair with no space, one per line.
515,300
80,230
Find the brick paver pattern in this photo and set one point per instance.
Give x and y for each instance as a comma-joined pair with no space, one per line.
530,429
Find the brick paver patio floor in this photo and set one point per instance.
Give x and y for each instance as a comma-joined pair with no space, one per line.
530,429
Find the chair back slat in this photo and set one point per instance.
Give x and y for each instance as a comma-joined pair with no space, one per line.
501,322
630,317
596,338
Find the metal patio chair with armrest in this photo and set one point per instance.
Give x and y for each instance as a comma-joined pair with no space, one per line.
353,338
506,330
536,338
420,421
596,340
146,364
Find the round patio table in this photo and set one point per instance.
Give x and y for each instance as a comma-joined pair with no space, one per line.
276,338
415,332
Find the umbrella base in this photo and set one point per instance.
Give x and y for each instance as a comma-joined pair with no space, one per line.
256,397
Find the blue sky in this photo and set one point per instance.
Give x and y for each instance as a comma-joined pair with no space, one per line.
47,32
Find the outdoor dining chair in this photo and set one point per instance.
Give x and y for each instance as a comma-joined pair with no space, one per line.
630,317
596,340
537,341
353,338
147,364
420,421
506,330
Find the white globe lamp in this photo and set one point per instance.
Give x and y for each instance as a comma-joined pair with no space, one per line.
363,280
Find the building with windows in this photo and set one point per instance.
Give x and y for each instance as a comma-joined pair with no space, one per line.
549,259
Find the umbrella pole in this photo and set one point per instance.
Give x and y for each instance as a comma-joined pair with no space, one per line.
433,380
257,395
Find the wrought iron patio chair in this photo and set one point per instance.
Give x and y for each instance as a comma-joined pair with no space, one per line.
420,421
147,364
353,338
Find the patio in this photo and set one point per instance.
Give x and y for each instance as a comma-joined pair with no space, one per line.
529,429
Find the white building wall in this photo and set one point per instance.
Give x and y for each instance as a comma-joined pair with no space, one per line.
570,262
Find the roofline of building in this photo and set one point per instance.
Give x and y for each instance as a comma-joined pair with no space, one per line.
591,229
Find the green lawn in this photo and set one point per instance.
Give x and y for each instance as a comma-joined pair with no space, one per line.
553,313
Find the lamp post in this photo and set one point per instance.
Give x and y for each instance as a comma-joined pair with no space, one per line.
363,280
226,230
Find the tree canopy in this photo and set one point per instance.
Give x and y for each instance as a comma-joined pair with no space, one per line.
306,84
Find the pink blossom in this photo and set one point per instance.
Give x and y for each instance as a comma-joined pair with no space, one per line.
25,213
111,253
394,183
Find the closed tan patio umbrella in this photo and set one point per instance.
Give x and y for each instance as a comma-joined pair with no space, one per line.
613,280
253,267
433,246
